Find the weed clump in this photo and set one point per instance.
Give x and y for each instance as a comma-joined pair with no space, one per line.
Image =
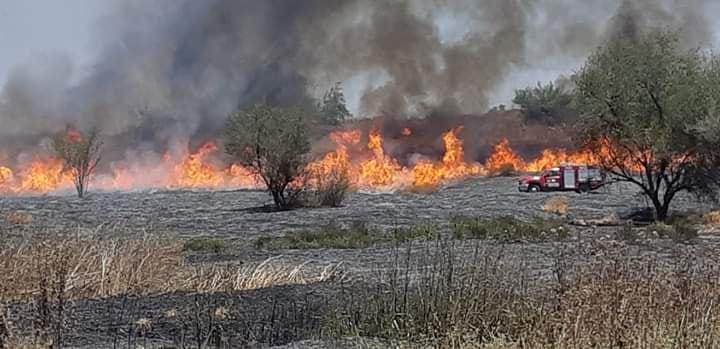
357,235
205,245
507,229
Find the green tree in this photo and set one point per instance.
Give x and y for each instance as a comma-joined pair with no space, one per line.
333,108
548,103
271,141
80,152
654,108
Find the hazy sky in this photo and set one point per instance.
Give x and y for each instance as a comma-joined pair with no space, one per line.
35,27
31,28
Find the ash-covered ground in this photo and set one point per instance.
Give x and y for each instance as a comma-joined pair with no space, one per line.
232,214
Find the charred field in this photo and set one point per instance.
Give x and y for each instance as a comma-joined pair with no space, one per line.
178,268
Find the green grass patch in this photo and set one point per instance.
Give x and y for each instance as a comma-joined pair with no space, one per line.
356,235
507,229
421,232
205,245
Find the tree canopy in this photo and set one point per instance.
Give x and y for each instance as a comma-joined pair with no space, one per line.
653,110
273,142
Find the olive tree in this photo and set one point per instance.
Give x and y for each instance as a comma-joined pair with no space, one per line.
273,143
80,152
653,111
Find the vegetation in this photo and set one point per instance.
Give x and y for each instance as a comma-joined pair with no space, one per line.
357,235
652,109
271,141
548,103
333,108
327,188
205,245
438,298
80,152
506,229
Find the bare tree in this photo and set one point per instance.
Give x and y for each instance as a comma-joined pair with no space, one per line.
80,152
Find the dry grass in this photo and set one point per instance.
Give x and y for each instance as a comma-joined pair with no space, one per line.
485,302
19,218
712,218
100,268
558,205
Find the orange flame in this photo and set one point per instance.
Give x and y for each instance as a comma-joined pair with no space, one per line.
195,172
504,157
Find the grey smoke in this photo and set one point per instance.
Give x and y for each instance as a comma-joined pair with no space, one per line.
176,68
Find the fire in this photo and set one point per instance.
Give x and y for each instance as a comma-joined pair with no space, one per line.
406,132
453,165
7,177
380,170
368,167
44,175
503,157
73,135
195,172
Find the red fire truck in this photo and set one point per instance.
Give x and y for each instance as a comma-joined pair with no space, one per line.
566,177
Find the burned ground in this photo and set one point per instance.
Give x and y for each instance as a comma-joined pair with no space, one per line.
293,312
230,214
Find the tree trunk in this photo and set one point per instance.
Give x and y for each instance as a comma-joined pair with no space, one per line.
661,209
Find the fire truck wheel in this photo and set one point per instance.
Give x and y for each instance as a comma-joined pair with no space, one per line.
534,188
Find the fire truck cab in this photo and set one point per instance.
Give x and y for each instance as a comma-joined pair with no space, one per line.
565,177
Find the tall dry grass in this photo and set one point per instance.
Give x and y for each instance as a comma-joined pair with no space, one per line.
485,300
94,267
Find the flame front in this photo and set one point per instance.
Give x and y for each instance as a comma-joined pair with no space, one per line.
368,167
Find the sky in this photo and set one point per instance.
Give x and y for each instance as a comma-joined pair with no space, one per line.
29,28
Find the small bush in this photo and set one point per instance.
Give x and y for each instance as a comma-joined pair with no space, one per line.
507,229
330,187
506,170
19,218
627,234
679,230
205,245
420,232
556,205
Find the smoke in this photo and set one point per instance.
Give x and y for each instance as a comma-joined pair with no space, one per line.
174,69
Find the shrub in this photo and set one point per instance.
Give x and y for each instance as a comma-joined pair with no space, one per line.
505,170
420,232
680,230
507,229
327,188
556,205
357,235
205,245
273,143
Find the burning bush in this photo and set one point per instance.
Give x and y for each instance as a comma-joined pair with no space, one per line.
80,152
